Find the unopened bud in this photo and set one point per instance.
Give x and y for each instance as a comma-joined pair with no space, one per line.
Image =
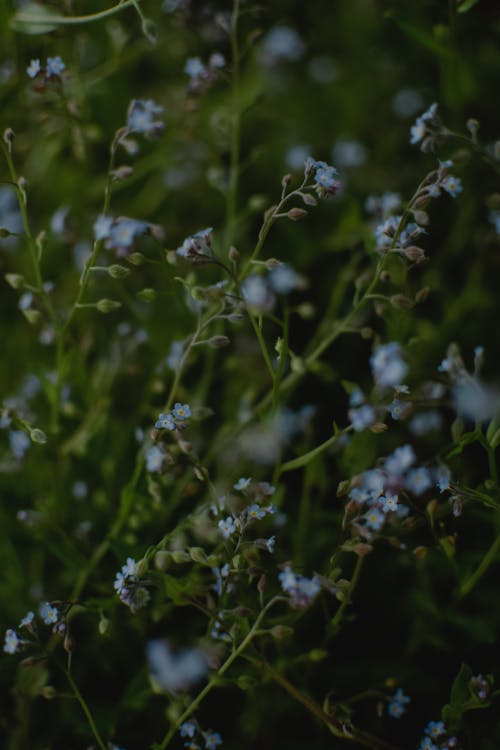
148,295
286,180
378,427
48,692
422,294
401,302
107,305
15,280
295,214
163,558
8,137
218,342
273,263
385,276
414,253
235,318
137,259
473,127
309,199
422,201
103,626
367,332
32,316
281,631
69,644
233,254
421,217
306,311
122,173
261,583
157,232
118,272
38,436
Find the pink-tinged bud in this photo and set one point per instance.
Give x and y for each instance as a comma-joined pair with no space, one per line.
385,277
8,137
378,427
295,214
286,180
233,254
422,294
261,585
414,253
309,199
401,302
421,217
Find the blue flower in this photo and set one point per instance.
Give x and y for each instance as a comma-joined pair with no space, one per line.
102,227
19,443
435,729
154,459
123,231
48,613
212,740
427,744
27,620
325,179
255,512
396,707
187,729
181,411
175,671
165,422
33,68
140,117
452,185
55,66
12,642
362,417
227,527
175,355
375,519
419,480
388,365
243,483
194,68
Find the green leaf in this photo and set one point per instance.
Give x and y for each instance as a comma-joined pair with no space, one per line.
466,439
34,19
460,691
466,5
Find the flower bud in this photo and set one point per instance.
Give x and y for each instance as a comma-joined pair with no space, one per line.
401,302
421,217
15,280
32,316
233,254
286,180
38,436
218,342
148,295
118,272
295,214
414,253
107,305
122,173
137,259
8,137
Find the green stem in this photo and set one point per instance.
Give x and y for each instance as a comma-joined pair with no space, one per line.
485,563
85,710
49,20
258,332
306,458
335,623
232,196
221,671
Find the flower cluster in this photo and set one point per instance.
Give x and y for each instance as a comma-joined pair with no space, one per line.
129,587
53,68
256,511
378,490
140,117
198,247
397,704
326,182
173,419
194,735
49,614
302,590
427,130
259,290
388,366
201,76
119,233
175,670
436,737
